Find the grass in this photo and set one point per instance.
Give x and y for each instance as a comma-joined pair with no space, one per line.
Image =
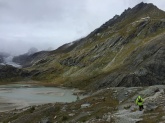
99,105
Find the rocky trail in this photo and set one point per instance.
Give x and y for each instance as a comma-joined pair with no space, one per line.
110,105
154,98
126,116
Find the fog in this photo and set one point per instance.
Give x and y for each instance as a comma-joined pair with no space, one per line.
51,23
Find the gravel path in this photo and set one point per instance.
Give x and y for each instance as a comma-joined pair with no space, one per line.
126,116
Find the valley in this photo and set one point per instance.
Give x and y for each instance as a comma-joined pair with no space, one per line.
113,65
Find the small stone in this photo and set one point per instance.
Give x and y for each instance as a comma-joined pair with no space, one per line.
163,118
86,105
55,117
109,118
46,120
72,114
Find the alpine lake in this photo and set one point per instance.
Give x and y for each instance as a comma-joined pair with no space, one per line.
18,96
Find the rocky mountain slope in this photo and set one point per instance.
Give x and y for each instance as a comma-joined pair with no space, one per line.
10,73
128,50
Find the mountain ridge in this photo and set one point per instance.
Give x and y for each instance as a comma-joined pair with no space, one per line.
112,55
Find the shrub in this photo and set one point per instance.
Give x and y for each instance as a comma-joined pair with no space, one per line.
32,109
64,118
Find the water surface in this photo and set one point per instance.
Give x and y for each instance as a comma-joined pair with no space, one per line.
22,95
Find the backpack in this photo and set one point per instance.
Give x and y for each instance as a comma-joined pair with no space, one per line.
139,99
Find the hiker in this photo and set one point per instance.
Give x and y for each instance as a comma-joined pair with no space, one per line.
139,102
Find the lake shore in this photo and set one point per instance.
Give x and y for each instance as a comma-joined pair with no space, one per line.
13,95
114,104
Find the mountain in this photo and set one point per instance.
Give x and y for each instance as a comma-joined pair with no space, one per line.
27,59
127,50
22,59
6,59
10,73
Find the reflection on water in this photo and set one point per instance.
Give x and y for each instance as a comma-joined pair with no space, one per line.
19,96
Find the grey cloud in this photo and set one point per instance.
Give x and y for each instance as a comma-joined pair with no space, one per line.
51,23
41,10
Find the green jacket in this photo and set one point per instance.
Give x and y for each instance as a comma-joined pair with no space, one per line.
139,101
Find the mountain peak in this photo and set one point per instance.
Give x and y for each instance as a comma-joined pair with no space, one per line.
142,10
130,15
143,5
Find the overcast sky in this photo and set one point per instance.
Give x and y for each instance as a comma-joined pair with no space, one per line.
51,23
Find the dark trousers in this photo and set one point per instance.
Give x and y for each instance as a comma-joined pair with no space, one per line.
141,107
